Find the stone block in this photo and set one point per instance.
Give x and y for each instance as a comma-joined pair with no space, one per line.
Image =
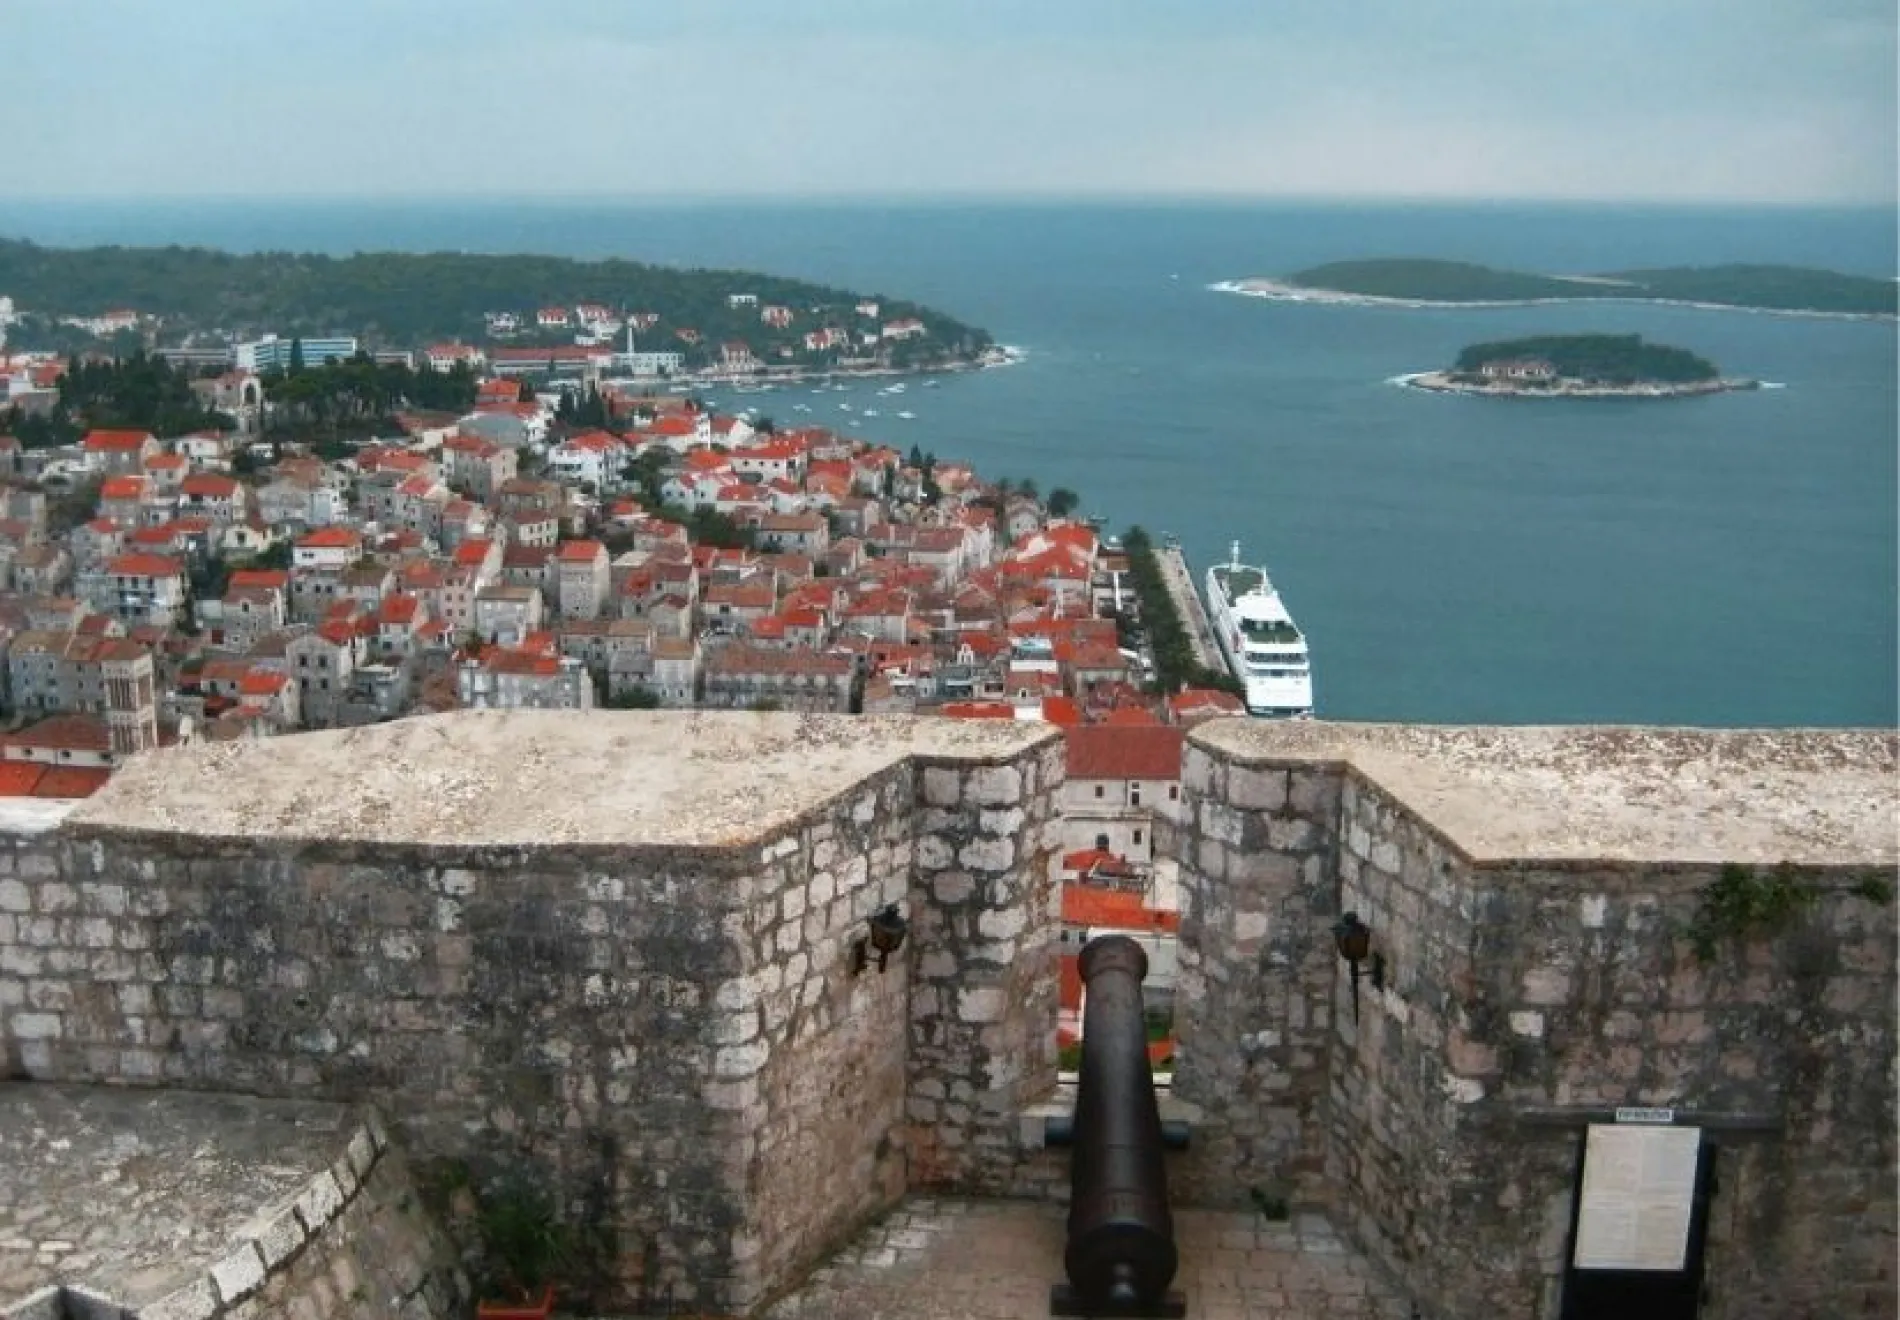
952,886
238,1274
981,1003
197,1300
1003,924
35,1026
1257,790
735,1061
56,898
319,1203
362,1152
994,786
988,854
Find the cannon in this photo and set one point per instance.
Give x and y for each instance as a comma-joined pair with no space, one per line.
1120,1256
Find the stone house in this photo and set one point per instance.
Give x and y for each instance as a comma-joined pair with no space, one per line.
801,533
581,579
1121,779
509,678
40,570
506,615
323,664
138,588
119,453
738,676
675,671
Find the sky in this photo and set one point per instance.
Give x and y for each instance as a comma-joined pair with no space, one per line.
1667,100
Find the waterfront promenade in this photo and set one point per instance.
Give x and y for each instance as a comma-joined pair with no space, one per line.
1188,604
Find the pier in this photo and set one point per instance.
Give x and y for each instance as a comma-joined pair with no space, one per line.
1188,604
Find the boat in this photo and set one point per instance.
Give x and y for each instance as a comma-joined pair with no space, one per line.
907,416
1262,645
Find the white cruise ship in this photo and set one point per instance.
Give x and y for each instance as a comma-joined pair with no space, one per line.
1263,647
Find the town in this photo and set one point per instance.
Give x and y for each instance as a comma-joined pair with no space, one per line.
220,585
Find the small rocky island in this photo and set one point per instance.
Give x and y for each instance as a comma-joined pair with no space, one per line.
1579,366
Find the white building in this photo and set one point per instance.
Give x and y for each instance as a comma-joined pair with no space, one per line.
274,352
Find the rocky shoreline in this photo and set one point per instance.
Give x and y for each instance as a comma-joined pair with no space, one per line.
1444,382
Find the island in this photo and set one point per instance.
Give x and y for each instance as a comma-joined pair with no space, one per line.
1578,367
1428,282
667,321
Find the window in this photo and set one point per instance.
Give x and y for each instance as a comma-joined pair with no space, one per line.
1098,790
1174,792
1134,793
1137,838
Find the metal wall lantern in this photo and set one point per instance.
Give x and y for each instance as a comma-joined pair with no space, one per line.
1354,941
887,930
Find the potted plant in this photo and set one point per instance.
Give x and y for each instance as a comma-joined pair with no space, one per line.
526,1248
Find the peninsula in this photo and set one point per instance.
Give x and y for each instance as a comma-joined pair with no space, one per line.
1578,366
1427,282
674,322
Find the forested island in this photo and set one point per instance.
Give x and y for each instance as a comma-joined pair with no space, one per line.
1421,281
69,299
1578,366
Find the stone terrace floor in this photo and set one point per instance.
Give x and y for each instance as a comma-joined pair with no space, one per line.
994,1260
133,1193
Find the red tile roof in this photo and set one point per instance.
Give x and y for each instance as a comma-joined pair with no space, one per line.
329,538
1062,711
144,566
1108,751
1116,909
399,609
20,778
1195,703
581,552
978,710
210,485
73,733
116,442
71,781
122,488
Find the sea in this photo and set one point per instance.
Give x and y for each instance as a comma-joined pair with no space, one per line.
1719,561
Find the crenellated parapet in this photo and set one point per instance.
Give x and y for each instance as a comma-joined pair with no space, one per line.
630,954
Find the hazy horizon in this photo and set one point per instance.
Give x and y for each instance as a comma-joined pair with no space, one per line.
1623,102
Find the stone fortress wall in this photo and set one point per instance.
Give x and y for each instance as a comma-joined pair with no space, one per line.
618,950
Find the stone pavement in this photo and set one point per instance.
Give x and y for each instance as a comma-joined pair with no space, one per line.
133,1193
994,1260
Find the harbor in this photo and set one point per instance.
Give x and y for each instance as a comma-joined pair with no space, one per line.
1187,603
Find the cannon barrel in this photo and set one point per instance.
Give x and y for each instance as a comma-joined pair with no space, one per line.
1121,1255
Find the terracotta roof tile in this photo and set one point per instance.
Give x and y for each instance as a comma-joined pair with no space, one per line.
1105,751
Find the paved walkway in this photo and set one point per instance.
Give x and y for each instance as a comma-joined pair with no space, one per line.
995,1260
1188,604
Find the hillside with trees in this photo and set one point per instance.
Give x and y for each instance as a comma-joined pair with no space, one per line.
1602,359
1766,287
407,299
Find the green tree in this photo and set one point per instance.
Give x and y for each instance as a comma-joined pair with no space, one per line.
296,356
1062,502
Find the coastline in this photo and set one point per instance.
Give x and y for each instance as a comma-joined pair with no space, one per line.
1278,291
1441,382
999,355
